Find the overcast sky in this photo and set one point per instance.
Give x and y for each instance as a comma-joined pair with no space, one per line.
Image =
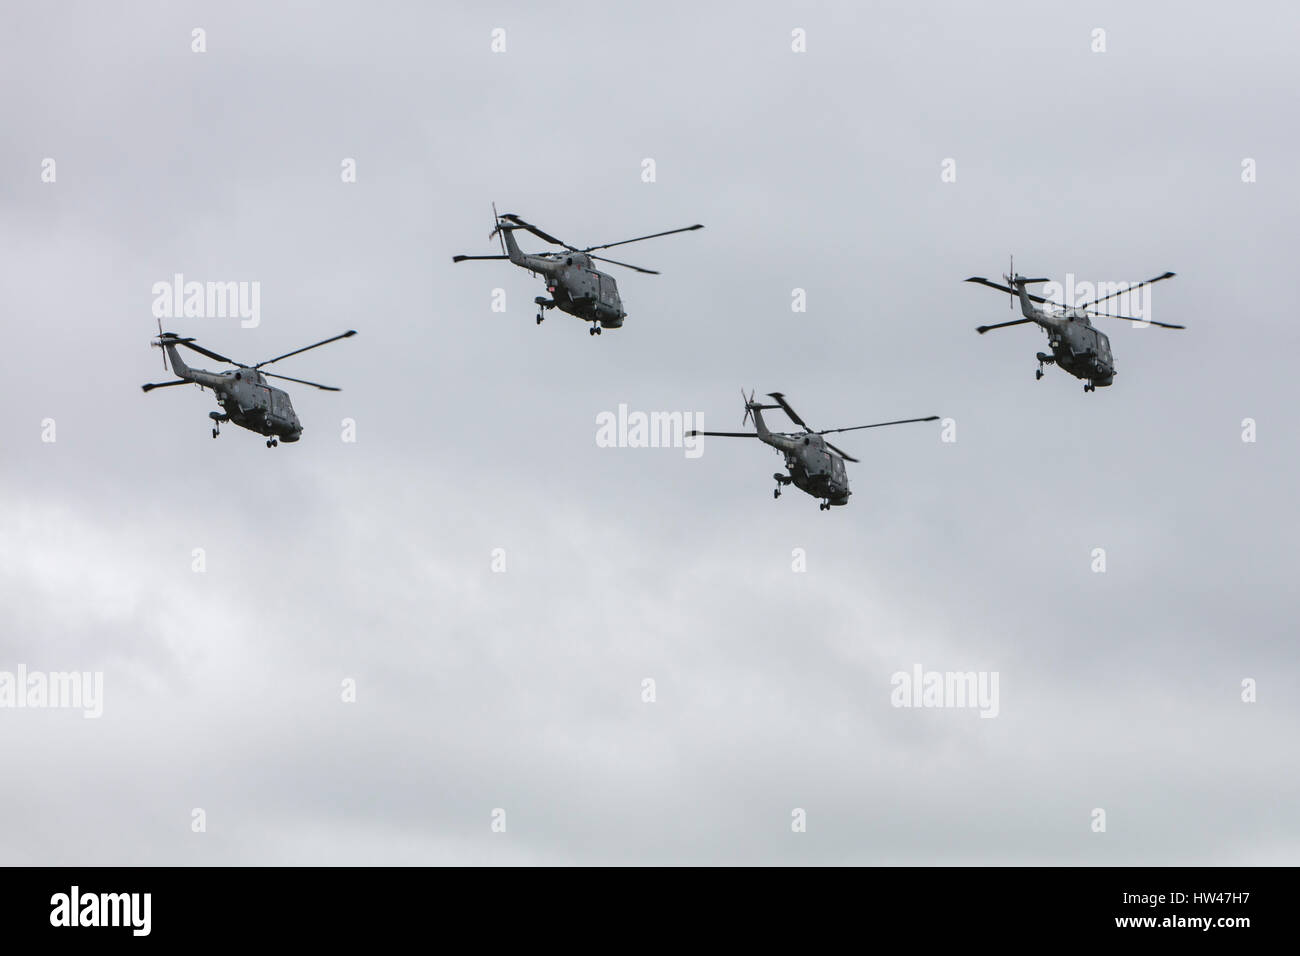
371,561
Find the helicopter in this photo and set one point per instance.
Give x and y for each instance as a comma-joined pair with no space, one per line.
244,395
576,287
1077,347
815,465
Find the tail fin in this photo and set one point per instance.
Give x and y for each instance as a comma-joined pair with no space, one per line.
1027,307
759,425
505,230
755,410
512,248
167,341
178,364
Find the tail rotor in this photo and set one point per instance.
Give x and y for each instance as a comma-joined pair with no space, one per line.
159,345
749,407
171,338
496,228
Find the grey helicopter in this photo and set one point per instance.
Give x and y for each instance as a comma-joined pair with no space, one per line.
815,465
243,393
1077,346
575,285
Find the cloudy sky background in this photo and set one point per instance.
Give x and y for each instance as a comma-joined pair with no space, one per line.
521,690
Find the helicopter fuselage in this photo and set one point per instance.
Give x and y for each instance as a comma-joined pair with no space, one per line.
587,294
813,467
245,399
251,403
1077,346
575,286
817,471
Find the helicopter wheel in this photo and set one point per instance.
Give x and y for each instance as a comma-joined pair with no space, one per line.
539,318
272,442
1038,374
215,433
824,506
776,492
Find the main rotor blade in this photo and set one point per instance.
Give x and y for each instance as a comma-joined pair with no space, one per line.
463,258
726,434
902,421
346,335
841,452
981,329
627,265
1167,275
653,235
189,344
794,416
303,381
1129,318
537,232
1001,288
152,385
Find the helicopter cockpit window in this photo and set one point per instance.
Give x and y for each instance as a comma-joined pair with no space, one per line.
606,288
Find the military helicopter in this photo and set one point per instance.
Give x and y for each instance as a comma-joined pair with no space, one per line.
244,395
576,287
815,465
1077,347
